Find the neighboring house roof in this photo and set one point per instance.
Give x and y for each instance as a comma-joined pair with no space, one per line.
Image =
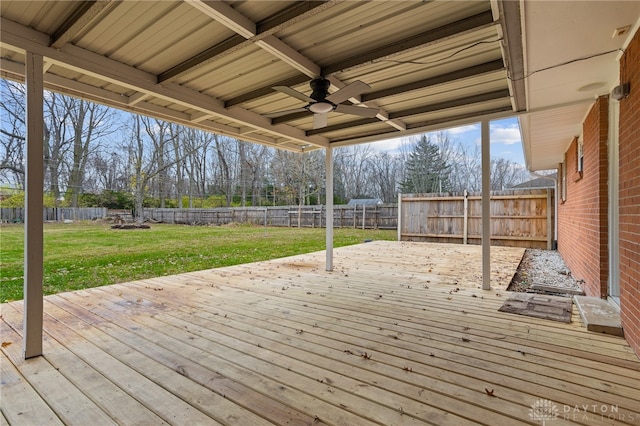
538,183
364,201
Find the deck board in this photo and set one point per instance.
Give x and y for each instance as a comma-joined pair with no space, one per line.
397,334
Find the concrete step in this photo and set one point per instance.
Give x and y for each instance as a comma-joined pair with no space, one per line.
599,315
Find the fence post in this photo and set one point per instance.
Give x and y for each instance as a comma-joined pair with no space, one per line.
465,225
364,214
376,217
549,221
399,216
355,214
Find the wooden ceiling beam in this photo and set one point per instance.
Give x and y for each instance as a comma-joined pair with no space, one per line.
299,11
345,125
453,103
289,55
265,91
84,14
226,15
227,47
483,97
473,71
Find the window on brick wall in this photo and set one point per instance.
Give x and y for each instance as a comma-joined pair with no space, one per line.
580,156
563,189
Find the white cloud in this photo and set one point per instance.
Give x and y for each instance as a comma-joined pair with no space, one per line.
391,145
508,135
463,129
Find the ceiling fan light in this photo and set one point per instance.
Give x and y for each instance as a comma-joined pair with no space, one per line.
321,107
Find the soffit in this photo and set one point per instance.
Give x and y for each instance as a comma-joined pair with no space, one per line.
571,58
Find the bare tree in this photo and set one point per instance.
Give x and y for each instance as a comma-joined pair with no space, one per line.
505,173
198,160
89,123
286,169
226,150
196,144
253,159
12,133
385,175
107,170
57,142
149,141
351,166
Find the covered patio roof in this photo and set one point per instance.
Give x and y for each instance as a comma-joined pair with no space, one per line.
214,65
428,65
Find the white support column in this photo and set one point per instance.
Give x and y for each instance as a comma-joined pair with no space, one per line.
33,225
486,207
329,196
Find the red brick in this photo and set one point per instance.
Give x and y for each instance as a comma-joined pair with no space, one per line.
629,193
582,218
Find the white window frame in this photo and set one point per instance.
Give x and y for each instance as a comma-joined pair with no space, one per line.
580,156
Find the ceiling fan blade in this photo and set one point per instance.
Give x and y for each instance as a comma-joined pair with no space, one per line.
294,93
356,110
350,90
285,112
319,120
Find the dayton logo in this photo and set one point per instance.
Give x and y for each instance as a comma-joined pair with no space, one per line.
543,410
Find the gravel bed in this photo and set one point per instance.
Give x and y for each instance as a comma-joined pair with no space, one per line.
542,267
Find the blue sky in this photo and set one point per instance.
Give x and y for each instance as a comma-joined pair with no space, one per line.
505,139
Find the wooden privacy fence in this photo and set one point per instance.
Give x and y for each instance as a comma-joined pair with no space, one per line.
519,218
381,216
54,214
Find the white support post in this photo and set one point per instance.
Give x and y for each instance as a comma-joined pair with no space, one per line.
329,196
33,225
486,207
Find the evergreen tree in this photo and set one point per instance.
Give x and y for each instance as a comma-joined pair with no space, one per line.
426,169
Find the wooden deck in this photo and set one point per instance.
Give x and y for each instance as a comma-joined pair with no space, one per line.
397,334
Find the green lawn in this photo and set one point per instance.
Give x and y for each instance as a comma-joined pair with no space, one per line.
82,255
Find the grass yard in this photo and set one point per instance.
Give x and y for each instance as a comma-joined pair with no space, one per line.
82,255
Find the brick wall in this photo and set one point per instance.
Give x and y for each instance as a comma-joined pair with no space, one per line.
582,217
630,196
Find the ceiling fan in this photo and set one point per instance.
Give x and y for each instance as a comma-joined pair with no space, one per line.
320,102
